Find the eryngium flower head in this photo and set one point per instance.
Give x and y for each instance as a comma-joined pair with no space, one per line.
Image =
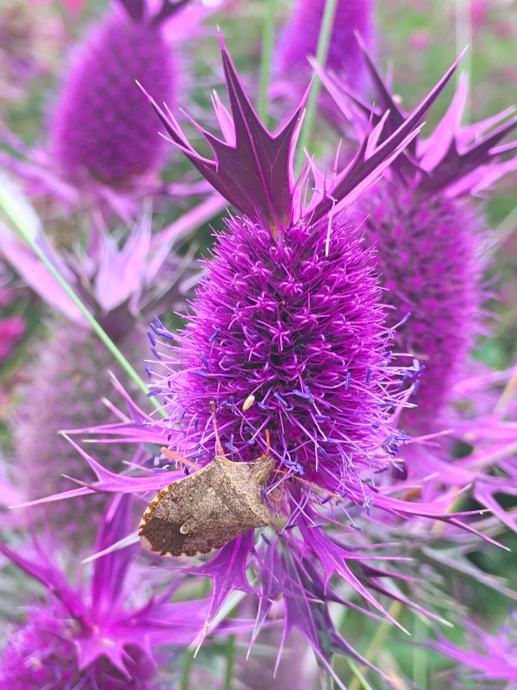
300,38
102,127
428,238
296,326
428,254
100,635
287,333
287,338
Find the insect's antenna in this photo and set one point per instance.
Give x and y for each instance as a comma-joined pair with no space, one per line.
218,445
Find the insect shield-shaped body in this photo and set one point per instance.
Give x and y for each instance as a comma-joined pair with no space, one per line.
207,509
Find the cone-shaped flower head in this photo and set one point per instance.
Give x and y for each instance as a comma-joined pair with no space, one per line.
287,347
287,333
98,635
300,38
102,126
428,238
68,380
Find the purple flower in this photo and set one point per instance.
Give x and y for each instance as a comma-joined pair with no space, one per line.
116,139
95,164
287,332
429,256
300,38
100,634
428,238
287,336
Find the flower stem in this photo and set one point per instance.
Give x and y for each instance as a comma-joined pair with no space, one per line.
10,210
321,58
268,39
375,645
419,656
463,26
188,662
359,677
230,663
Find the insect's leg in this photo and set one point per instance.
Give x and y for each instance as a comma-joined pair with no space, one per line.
175,457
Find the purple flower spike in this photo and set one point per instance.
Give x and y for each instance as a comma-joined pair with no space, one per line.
300,38
101,127
287,336
101,635
428,236
289,313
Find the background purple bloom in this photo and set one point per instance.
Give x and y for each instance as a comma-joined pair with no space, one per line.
99,633
428,253
299,38
428,239
102,126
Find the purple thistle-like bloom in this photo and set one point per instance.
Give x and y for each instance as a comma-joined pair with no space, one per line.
97,634
101,125
428,238
301,330
287,332
110,161
429,258
66,383
300,38
288,337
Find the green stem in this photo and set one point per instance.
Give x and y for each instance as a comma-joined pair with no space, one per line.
268,40
9,209
419,656
188,663
230,662
375,645
359,677
463,26
321,58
